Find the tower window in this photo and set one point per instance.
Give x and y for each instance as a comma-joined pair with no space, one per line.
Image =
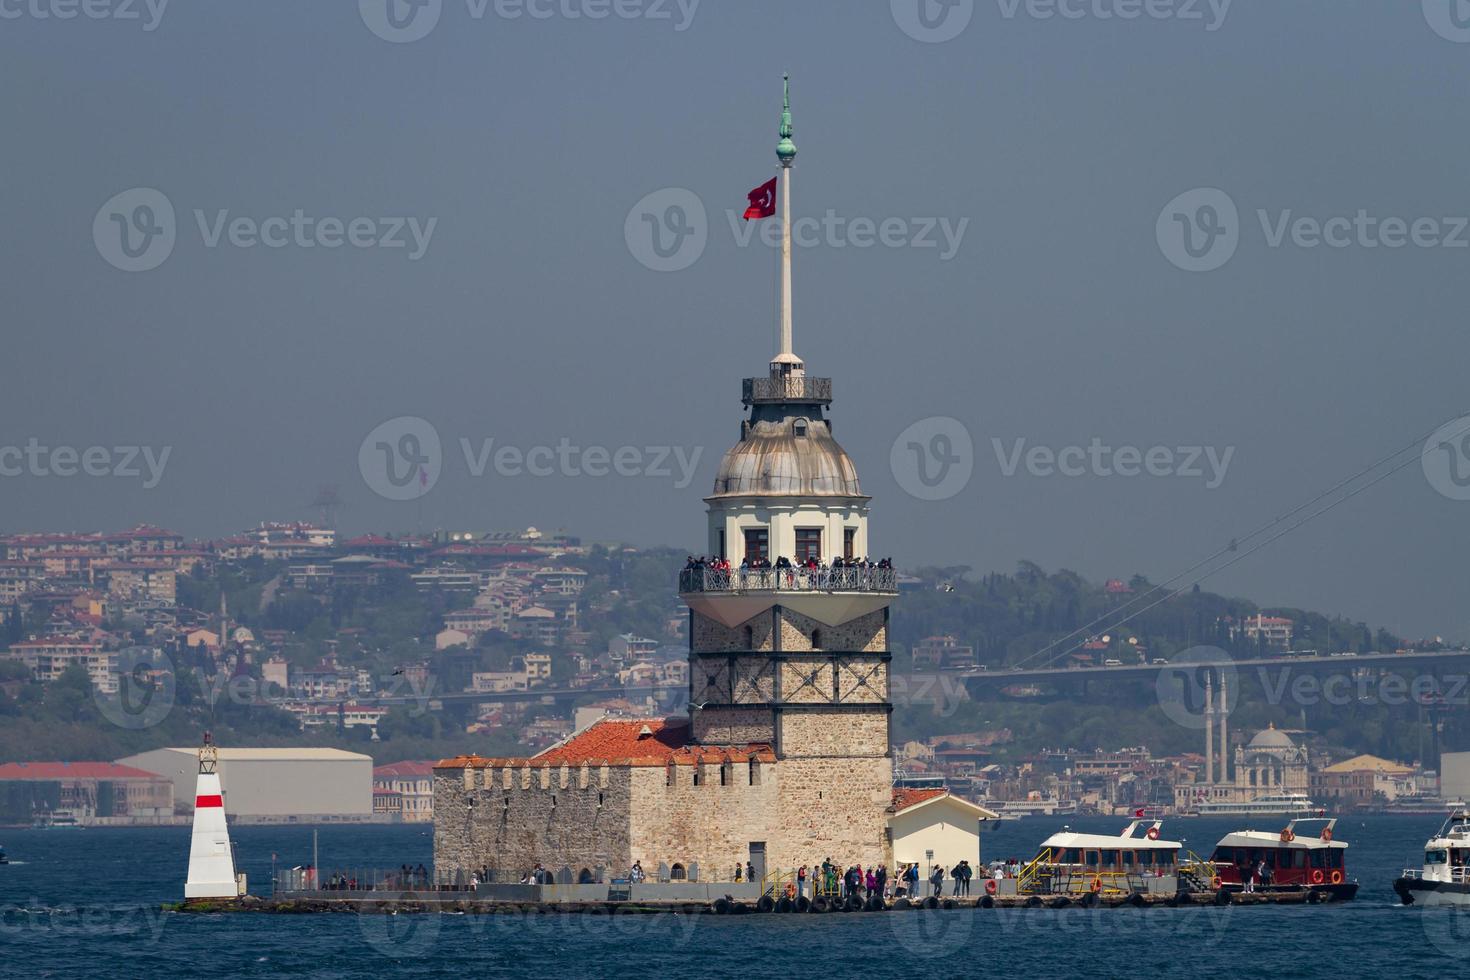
755,772
749,638
849,542
799,427
816,639
808,543
757,543
722,542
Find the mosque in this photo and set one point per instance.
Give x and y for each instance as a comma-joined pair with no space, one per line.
784,757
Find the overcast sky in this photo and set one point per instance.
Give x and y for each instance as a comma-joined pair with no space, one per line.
1005,248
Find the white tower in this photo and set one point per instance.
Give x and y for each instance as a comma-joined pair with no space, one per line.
211,863
796,658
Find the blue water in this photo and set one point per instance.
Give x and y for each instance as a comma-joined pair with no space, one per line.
86,904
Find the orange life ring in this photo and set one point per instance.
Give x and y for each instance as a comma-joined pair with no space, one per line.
790,890
1288,835
1316,876
1097,883
1327,833
1153,833
1215,883
990,886
1337,877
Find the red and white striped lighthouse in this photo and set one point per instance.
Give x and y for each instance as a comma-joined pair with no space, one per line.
211,861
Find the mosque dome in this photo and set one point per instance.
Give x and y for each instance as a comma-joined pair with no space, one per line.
1271,738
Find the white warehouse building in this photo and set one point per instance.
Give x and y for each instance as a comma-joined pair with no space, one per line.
276,784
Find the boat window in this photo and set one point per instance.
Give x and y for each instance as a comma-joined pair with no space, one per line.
1145,859
1221,855
1110,859
1091,860
1457,857
1319,858
1334,857
1298,858
1127,860
1434,857
1073,855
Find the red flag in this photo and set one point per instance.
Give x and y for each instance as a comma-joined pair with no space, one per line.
1138,813
762,201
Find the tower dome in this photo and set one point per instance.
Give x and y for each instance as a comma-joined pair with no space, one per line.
1271,738
791,456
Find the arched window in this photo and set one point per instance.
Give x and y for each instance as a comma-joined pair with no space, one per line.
816,639
799,427
676,873
749,638
698,774
755,771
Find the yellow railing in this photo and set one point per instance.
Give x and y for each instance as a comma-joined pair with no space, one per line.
775,882
1199,867
1102,882
1029,873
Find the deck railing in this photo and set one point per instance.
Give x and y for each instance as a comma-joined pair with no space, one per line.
789,580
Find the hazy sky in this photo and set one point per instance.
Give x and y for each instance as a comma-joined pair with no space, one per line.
1047,139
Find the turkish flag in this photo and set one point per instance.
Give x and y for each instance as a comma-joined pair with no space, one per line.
1138,813
762,201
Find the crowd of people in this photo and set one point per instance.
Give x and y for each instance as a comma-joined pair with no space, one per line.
811,564
829,879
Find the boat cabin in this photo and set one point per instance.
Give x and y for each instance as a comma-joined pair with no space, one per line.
1302,854
1130,852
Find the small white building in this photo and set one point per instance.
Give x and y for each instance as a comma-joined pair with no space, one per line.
933,826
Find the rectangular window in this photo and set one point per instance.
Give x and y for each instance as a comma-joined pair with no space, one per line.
757,544
808,544
849,542
722,542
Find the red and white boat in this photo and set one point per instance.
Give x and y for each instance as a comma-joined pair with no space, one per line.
1302,856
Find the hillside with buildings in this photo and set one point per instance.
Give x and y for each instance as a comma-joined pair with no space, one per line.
408,648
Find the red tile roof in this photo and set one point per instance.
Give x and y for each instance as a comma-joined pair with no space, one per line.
623,743
905,798
72,770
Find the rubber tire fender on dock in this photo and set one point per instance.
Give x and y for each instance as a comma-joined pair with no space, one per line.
803,904
784,905
987,902
1061,903
722,906
931,902
1033,902
820,904
902,904
875,904
854,904
1222,897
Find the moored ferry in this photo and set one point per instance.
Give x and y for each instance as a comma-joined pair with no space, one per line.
1277,805
1445,877
1136,861
1302,856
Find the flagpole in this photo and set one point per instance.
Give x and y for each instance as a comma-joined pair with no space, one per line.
786,153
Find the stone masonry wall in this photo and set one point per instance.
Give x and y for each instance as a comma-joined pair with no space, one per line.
865,634
712,636
710,824
555,816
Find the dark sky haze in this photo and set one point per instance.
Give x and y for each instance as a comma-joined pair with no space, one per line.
1061,316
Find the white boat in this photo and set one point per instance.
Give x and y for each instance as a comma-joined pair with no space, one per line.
1016,809
1293,805
1069,864
1444,878
57,820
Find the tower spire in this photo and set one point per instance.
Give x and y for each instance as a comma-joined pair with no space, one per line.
786,363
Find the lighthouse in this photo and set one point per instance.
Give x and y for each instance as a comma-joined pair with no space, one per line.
211,862
796,657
